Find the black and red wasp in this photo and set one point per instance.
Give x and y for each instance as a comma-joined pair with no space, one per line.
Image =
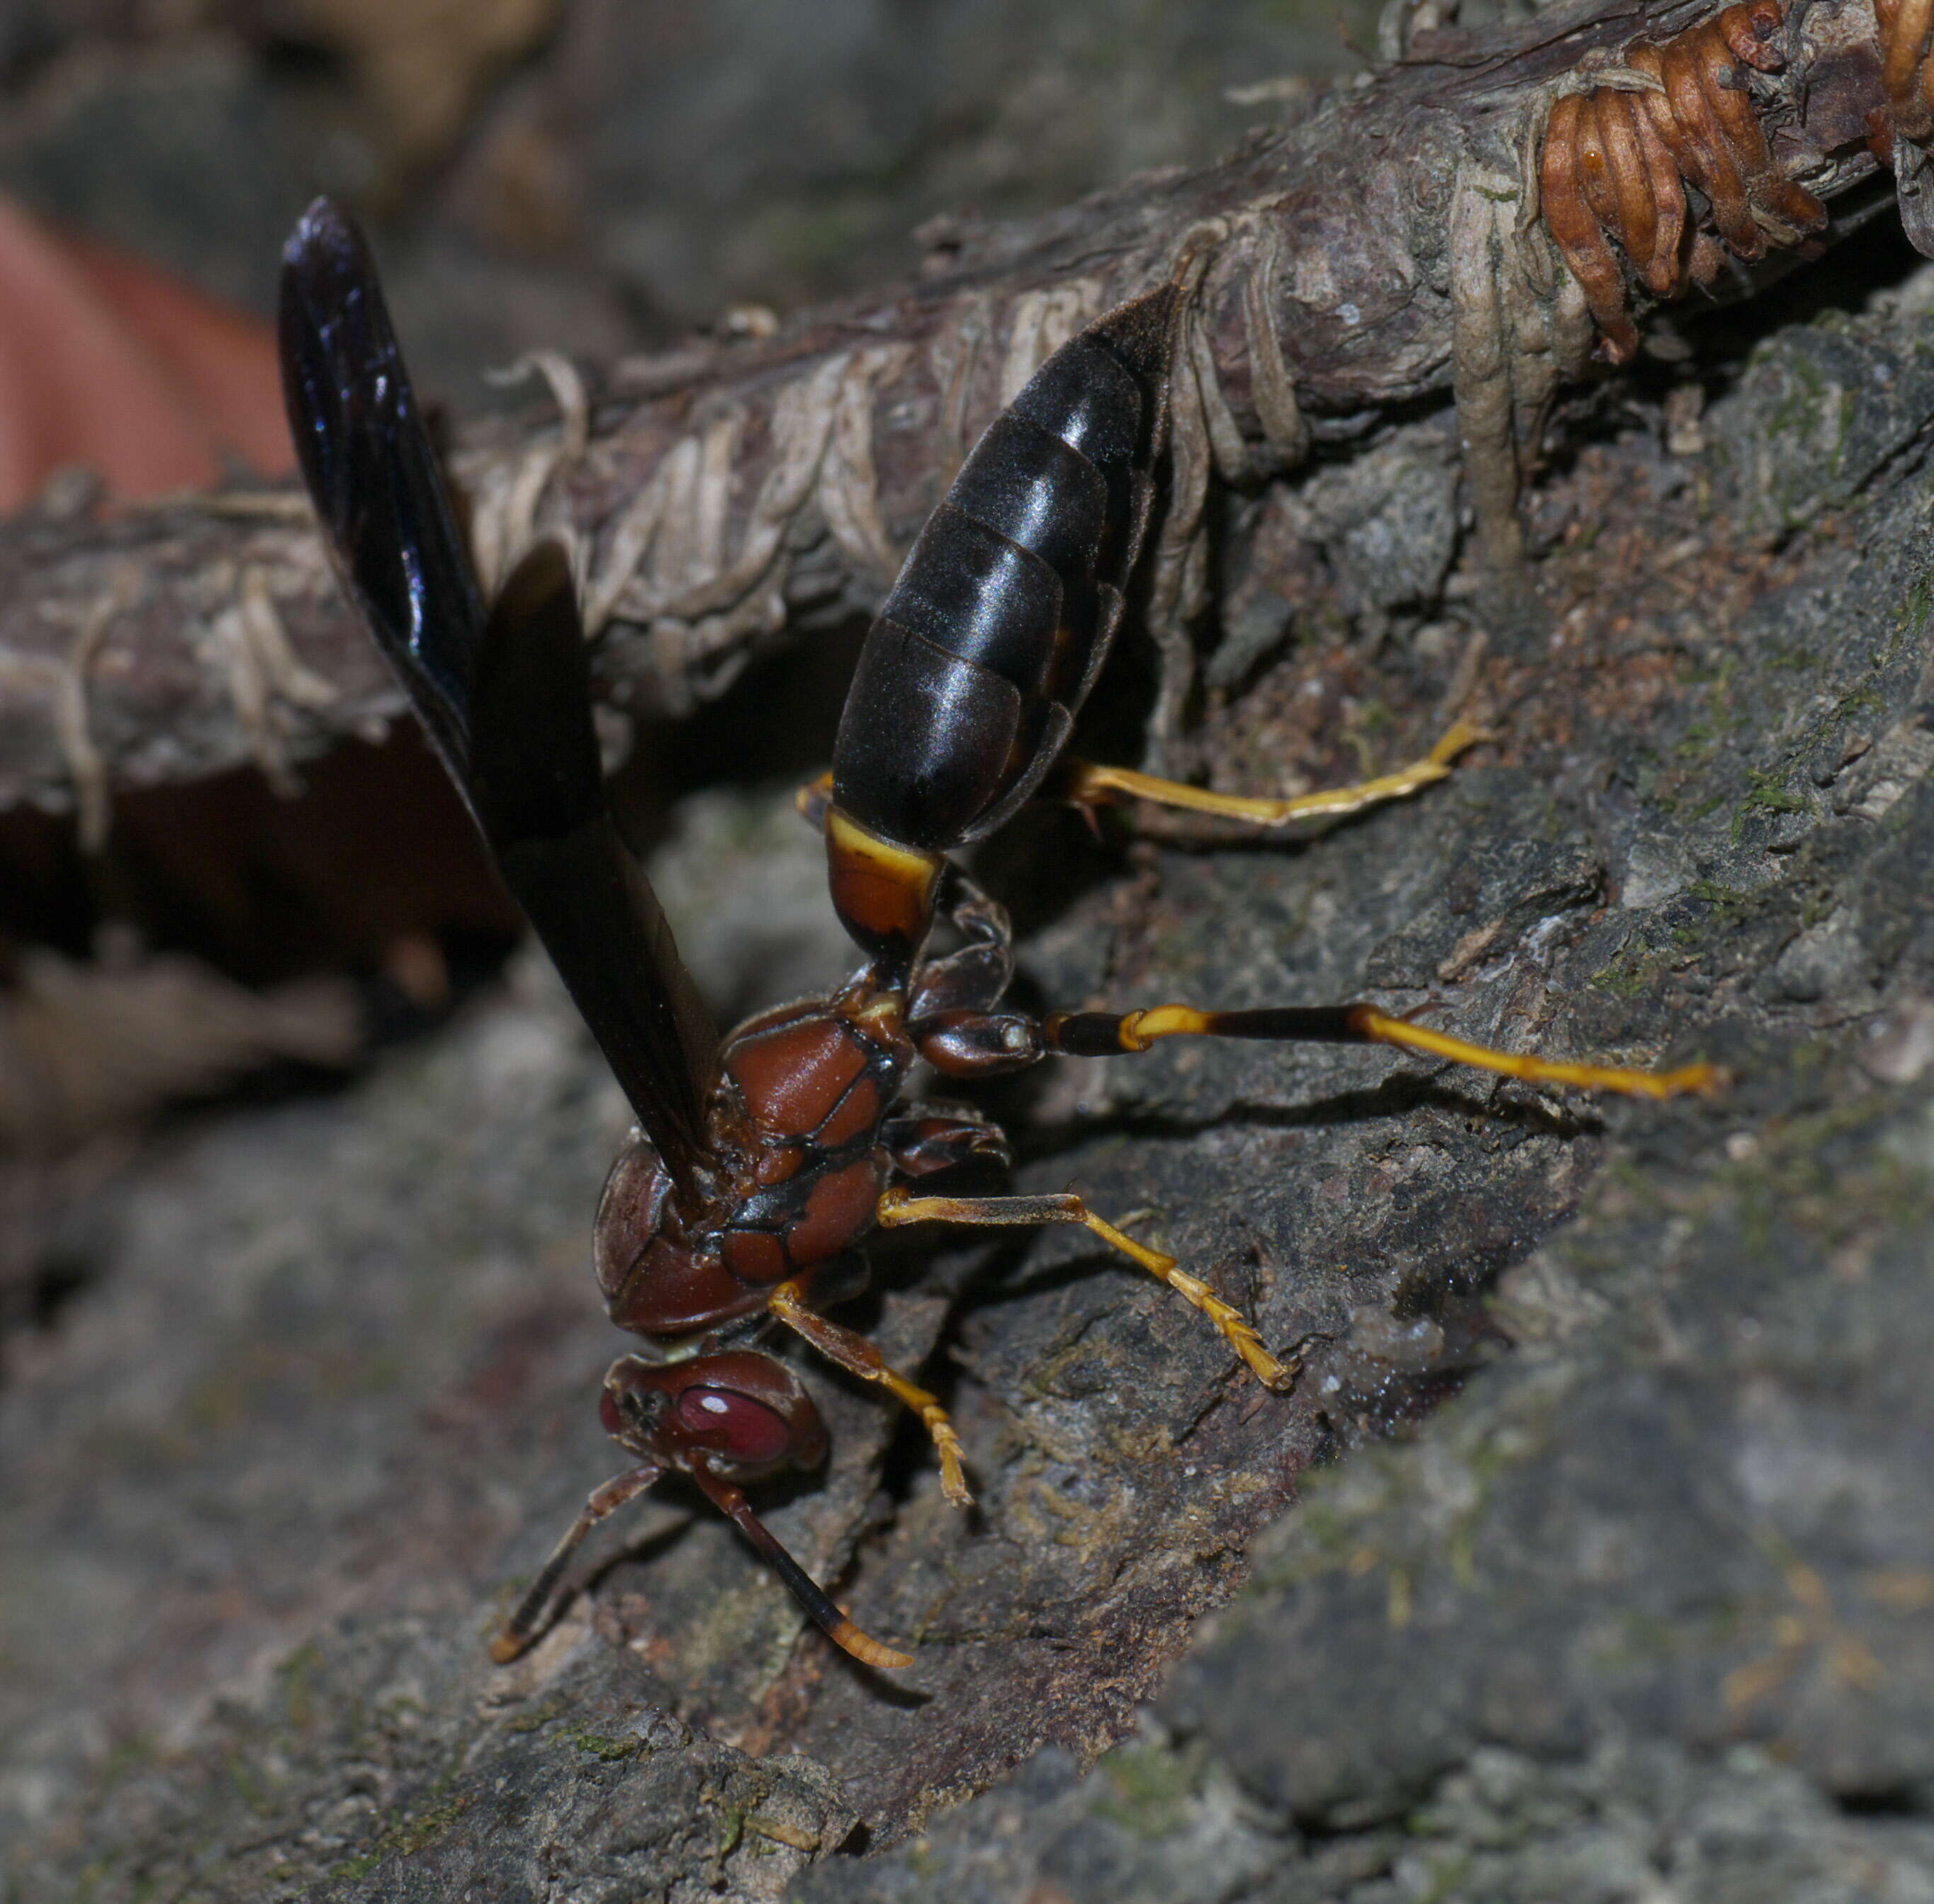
761,1161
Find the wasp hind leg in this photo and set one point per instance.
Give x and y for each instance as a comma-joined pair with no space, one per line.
899,1208
1087,784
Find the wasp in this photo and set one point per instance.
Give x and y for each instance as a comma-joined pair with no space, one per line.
761,1160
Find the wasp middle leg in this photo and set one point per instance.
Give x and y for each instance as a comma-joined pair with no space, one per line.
897,1208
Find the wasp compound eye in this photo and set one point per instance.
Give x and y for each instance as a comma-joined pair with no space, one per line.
745,1433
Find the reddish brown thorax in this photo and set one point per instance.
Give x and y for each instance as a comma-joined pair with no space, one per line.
795,1122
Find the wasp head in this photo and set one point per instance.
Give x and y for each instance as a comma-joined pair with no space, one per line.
744,1412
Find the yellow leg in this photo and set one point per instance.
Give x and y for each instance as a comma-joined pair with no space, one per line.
853,1353
1381,1029
897,1207
1101,1034
1085,782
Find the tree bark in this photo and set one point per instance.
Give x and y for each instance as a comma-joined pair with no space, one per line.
1346,272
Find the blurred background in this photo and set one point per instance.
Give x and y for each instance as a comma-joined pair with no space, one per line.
599,175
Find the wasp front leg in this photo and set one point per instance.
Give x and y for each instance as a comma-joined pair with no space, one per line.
853,1353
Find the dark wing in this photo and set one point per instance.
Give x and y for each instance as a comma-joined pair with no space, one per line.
538,790
373,477
506,699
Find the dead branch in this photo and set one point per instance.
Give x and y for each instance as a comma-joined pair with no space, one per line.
1386,249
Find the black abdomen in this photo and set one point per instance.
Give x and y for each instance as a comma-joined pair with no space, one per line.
970,679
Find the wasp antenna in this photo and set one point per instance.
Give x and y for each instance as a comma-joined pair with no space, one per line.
824,1614
521,1628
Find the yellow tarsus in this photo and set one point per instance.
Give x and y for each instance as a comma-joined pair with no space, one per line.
1631,1083
1089,782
